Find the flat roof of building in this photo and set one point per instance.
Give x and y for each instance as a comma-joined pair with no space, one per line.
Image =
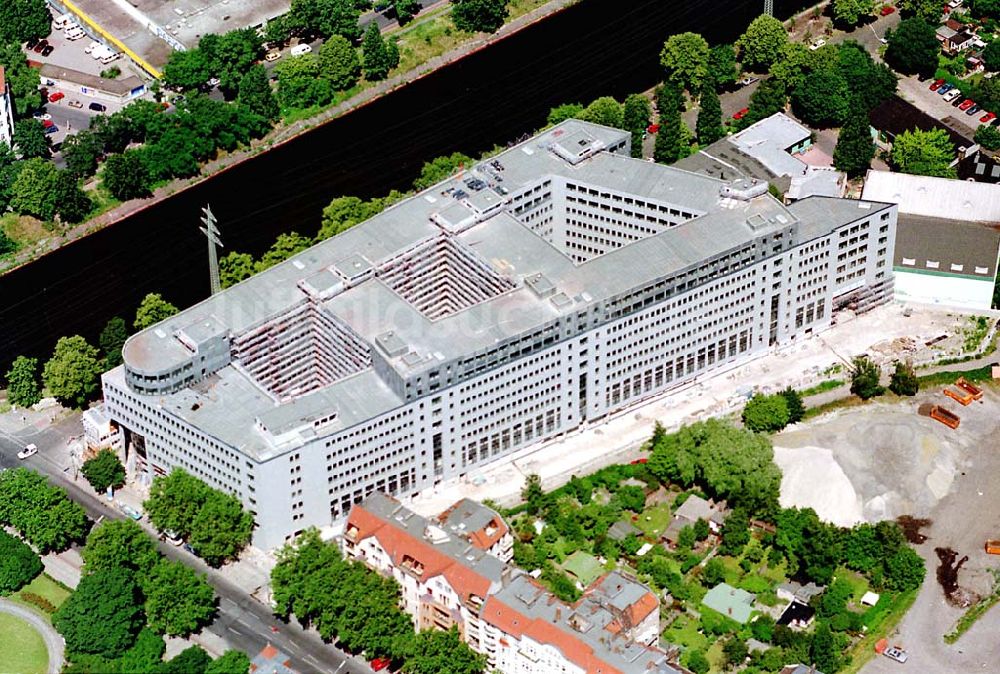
533,283
188,20
958,200
117,87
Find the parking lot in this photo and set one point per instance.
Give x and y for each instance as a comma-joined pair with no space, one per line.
933,104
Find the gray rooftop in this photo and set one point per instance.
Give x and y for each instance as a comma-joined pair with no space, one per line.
534,282
769,140
949,242
468,515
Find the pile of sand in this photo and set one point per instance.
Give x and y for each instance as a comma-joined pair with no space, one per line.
812,478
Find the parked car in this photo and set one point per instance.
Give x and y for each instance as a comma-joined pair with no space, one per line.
966,104
46,123
129,511
172,538
42,115
747,81
75,104
272,56
300,49
56,96
98,107
936,84
817,43
896,653
51,129
887,10
378,664
653,128
42,44
945,88
48,50
30,44
987,118
740,114
953,95
973,110
29,450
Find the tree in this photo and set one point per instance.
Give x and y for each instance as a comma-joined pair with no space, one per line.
735,651
865,378
709,126
33,191
769,97
81,151
434,651
104,470
30,139
735,533
22,80
125,176
235,267
152,310
175,500
823,651
439,169
475,16
685,57
255,93
146,654
338,62
233,54
532,494
299,83
926,153
904,570
851,12
855,147
70,202
991,56
187,70
631,497
903,381
713,573
766,413
823,99
406,10
119,544
104,614
284,247
913,48
796,409
985,9
927,10
231,662
793,64
22,382
722,67
988,135
668,145
112,340
179,602
605,111
71,374
325,18
221,529
42,515
761,43
18,564
377,59
561,113
23,20
870,83
192,660
698,663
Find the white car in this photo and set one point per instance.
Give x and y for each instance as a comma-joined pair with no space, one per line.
94,44
29,450
896,653
300,49
817,43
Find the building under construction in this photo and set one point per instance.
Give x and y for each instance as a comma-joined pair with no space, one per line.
538,291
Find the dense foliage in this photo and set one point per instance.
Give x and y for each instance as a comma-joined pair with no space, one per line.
685,57
913,47
766,413
119,544
22,382
926,153
112,340
104,614
904,381
104,470
23,20
475,16
865,377
18,564
761,42
152,310
41,514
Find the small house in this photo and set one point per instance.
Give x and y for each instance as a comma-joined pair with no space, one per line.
693,509
621,530
731,602
797,616
958,42
870,598
800,669
796,591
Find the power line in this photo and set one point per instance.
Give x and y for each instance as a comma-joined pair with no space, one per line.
211,233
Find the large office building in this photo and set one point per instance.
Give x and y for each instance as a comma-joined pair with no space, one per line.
6,112
538,291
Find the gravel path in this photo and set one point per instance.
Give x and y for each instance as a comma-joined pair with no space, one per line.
53,640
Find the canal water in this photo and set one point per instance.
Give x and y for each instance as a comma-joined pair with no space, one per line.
595,48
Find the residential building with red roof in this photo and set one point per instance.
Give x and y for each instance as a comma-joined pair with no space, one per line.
450,578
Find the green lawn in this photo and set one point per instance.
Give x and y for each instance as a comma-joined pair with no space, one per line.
654,521
684,632
583,566
22,650
43,586
858,583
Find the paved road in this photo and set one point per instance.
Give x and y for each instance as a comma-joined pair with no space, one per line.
242,621
53,640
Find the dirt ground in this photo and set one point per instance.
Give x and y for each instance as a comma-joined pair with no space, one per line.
882,461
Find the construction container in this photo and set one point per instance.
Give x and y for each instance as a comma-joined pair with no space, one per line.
961,396
969,388
945,416
993,547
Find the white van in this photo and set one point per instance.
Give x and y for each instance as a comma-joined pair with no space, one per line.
300,49
75,33
60,22
113,56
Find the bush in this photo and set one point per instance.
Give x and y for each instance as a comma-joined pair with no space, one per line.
865,378
904,380
39,602
988,135
766,414
18,564
103,471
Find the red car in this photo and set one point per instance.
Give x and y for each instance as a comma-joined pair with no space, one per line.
887,10
57,96
46,123
642,460
378,664
652,128
987,118
936,84
740,114
966,104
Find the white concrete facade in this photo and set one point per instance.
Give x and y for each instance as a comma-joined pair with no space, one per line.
6,112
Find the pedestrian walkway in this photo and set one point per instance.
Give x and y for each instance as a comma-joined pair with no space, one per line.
53,640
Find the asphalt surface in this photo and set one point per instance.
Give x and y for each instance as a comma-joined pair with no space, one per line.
243,622
53,640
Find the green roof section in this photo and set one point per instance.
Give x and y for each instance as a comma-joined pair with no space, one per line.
584,567
731,602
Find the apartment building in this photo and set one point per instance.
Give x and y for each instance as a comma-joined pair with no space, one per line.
539,291
501,612
6,112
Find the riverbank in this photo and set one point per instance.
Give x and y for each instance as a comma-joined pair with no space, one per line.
286,132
